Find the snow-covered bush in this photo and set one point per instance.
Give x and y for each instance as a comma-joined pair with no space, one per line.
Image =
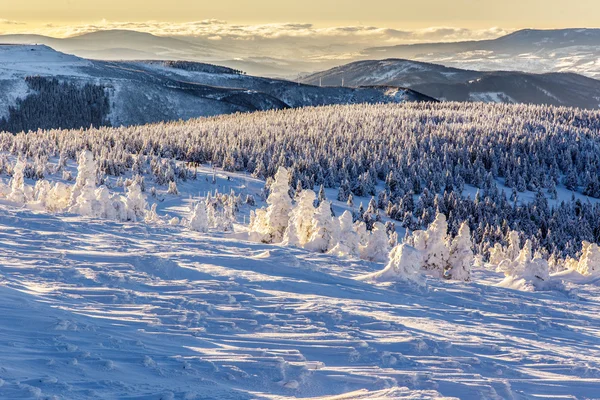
377,248
461,256
269,225
135,204
325,229
86,176
199,219
433,244
173,188
17,183
524,271
58,197
300,225
349,241
589,263
405,264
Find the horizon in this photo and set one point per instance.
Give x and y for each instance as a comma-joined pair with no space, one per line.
384,22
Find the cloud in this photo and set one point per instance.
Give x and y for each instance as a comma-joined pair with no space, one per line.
212,29
9,22
293,41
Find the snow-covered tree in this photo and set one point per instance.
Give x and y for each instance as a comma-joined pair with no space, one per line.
433,243
377,248
300,225
405,264
349,241
589,263
461,255
326,229
17,183
135,203
199,219
271,224
86,176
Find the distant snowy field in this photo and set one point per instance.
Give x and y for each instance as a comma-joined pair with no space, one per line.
99,309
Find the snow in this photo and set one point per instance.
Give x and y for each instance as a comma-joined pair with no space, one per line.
491,97
93,308
23,60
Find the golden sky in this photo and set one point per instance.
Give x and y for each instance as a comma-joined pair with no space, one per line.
35,15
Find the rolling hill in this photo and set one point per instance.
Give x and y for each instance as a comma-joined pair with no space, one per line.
529,50
138,92
446,83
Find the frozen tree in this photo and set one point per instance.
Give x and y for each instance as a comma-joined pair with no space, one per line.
104,207
270,224
173,188
433,243
135,203
322,197
404,265
326,229
497,254
461,255
589,263
86,176
199,219
377,248
17,183
514,246
349,241
300,225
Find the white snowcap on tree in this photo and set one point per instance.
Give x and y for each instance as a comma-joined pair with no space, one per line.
270,224
17,183
405,263
589,263
326,229
86,175
461,255
433,243
300,225
378,245
199,218
349,241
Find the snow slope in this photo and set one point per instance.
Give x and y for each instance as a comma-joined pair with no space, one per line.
153,91
98,309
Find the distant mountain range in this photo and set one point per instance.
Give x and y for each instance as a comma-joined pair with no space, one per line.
528,50
536,51
444,83
73,92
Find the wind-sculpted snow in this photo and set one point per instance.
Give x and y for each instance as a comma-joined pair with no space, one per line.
94,309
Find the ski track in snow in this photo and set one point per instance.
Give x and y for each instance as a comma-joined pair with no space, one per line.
97,309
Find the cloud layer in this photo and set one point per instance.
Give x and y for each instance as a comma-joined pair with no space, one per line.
221,30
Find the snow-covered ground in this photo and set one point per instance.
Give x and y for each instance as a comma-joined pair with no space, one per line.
101,309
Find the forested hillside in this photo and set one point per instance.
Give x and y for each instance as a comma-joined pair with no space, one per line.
54,103
502,168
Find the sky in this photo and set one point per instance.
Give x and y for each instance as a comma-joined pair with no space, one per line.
326,22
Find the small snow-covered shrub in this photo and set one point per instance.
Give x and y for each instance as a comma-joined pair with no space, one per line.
525,272
325,229
405,264
300,225
377,248
199,218
349,242
433,244
173,188
17,183
461,256
589,263
269,225
135,203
